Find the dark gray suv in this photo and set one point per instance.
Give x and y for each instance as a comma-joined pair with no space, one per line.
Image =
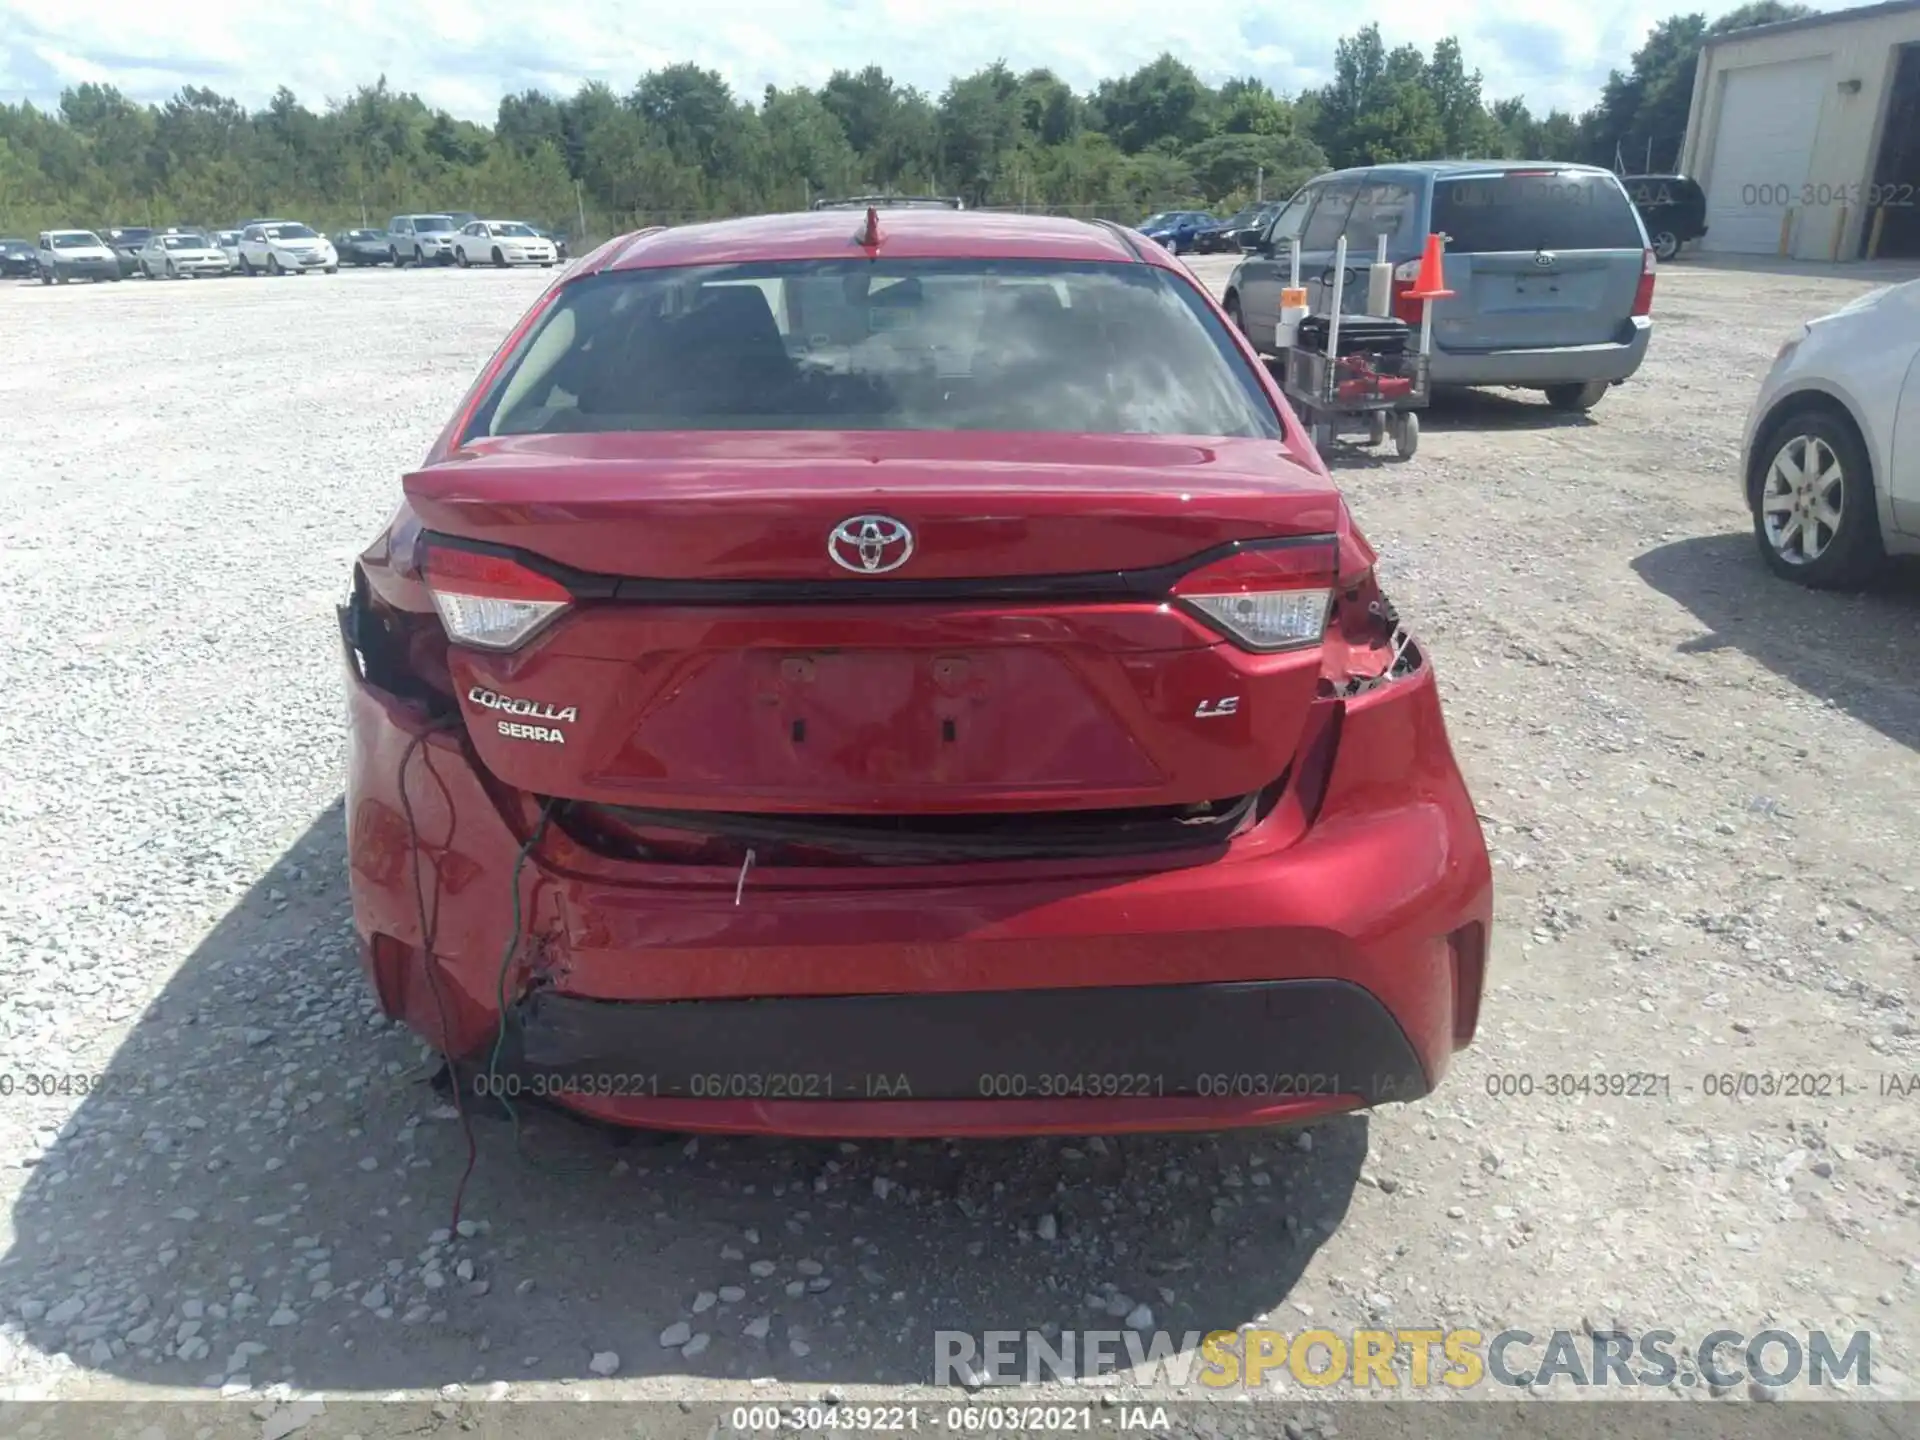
1549,264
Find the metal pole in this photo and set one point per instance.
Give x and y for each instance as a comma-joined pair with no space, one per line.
1339,290
580,210
1426,308
1259,183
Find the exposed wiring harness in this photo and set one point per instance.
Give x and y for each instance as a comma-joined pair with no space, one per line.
429,926
429,918
507,954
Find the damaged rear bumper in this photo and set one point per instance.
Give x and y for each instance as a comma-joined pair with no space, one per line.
1267,982
1102,1042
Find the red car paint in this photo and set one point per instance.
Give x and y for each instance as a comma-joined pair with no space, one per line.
1364,872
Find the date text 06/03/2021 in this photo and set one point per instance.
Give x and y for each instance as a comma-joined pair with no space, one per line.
961,1418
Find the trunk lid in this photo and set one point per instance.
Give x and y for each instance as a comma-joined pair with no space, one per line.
1537,300
725,669
715,506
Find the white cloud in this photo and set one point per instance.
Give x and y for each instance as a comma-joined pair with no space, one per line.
463,55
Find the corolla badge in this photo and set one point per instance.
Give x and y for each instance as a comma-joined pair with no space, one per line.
870,544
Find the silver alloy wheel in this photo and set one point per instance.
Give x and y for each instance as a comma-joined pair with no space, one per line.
1802,502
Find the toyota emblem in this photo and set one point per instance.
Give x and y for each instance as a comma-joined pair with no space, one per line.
870,544
1544,258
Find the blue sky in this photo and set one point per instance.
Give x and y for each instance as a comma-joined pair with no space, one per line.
463,55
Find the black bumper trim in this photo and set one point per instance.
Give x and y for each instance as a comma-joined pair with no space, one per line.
1282,1040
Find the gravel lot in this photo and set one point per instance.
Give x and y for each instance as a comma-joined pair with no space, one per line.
1701,787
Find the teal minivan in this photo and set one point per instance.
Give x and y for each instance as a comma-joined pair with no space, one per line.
1549,263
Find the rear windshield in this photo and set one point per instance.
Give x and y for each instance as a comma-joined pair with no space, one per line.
941,345
1555,210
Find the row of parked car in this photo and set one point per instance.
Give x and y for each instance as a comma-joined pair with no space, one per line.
1184,231
268,246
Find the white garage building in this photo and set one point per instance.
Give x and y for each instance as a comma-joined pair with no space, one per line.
1805,136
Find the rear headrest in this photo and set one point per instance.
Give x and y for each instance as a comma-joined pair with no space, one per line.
737,312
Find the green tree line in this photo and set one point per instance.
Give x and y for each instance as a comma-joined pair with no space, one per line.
682,145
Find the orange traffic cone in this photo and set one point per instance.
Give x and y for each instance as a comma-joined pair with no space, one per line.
1431,283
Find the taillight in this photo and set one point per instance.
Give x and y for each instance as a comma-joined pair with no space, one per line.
489,601
1643,297
1264,598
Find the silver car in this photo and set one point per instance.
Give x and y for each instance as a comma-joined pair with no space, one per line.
1549,265
425,239
180,254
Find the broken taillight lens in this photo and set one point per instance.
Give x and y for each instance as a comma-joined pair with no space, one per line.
491,602
1264,598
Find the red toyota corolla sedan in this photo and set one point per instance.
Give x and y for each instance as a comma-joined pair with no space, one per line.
900,675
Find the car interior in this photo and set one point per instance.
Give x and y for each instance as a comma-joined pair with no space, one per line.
940,351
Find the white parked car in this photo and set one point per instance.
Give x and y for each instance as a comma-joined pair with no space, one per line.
76,254
229,243
285,247
503,243
1832,454
177,254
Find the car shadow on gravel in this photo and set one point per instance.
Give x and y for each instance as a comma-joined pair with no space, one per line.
252,1189
1455,409
1859,652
